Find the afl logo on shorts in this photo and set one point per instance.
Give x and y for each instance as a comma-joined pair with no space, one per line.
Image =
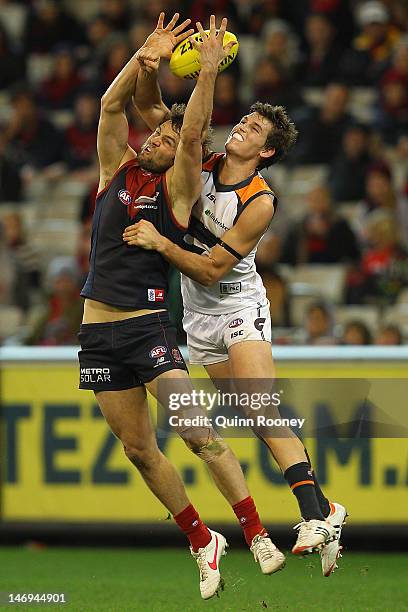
158,351
125,197
236,323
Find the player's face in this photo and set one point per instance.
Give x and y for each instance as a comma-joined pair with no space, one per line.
247,139
158,152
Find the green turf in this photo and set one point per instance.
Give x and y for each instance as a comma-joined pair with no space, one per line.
166,580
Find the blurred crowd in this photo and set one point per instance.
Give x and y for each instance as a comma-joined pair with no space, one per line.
335,260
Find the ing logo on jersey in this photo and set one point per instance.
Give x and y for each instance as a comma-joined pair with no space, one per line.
125,197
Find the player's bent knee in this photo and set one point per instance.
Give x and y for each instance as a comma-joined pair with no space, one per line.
141,455
208,449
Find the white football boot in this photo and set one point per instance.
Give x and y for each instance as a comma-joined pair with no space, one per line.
265,553
312,535
332,551
208,561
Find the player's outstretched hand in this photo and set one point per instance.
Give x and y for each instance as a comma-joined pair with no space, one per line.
163,40
143,234
211,48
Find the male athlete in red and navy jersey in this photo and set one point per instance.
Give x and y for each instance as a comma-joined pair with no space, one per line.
131,195
127,342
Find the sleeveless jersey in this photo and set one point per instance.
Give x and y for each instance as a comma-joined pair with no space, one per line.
217,211
129,276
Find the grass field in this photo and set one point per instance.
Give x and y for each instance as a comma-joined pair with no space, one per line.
166,580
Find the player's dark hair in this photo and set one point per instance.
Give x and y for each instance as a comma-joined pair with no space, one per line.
283,134
176,117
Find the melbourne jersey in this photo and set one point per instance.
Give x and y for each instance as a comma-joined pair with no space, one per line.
215,213
122,275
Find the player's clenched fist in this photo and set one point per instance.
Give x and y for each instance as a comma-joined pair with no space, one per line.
143,234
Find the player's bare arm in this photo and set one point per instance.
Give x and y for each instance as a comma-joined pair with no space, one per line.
113,129
184,178
147,97
208,269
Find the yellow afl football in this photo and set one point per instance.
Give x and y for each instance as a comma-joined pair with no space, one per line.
185,59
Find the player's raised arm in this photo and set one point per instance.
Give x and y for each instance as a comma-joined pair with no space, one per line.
236,243
113,129
184,178
147,95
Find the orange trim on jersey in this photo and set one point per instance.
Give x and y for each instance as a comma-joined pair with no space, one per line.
302,482
170,206
257,184
208,165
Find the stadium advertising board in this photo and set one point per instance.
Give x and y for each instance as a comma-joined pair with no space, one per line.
60,463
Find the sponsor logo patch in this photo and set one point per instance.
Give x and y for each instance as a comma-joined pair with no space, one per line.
236,323
95,375
230,288
125,197
158,351
146,202
155,295
220,224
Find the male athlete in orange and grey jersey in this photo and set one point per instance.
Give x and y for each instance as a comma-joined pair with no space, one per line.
227,317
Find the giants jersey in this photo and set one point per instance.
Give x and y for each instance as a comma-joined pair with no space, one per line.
127,276
217,211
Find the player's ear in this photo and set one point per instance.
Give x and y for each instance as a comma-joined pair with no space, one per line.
265,153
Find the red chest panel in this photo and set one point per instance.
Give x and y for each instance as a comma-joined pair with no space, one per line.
142,191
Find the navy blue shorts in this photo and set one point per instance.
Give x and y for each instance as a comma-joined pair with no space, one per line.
126,354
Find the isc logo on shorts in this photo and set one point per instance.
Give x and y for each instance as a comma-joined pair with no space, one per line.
158,351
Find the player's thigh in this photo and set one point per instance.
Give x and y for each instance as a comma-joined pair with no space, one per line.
247,337
251,359
127,414
166,383
221,370
221,376
189,416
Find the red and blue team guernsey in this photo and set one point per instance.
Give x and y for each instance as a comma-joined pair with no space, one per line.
129,276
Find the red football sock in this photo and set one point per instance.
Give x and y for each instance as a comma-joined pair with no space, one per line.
190,523
249,520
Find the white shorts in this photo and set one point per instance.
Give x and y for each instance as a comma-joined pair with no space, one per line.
210,336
